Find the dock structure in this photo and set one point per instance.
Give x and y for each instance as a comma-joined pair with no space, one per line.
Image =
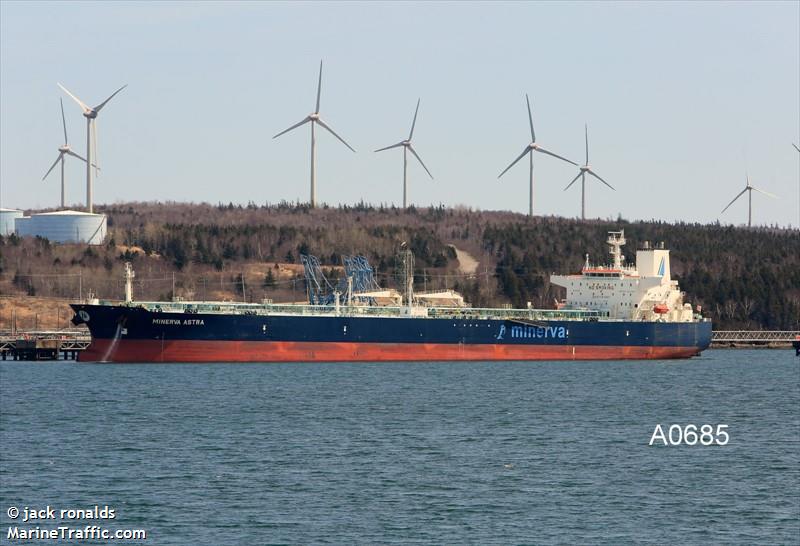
43,345
754,337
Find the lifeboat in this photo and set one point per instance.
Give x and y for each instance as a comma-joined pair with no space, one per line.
661,309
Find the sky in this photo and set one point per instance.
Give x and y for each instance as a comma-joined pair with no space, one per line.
682,100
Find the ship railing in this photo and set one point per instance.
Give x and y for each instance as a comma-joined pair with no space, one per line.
518,314
456,313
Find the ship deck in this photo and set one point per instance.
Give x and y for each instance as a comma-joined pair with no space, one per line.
273,309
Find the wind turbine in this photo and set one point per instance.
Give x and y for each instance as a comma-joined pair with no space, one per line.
529,149
63,150
91,137
584,170
798,149
314,119
407,147
749,188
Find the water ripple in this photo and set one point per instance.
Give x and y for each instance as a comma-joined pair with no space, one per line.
394,453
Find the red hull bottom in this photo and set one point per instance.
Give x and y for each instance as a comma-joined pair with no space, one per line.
290,351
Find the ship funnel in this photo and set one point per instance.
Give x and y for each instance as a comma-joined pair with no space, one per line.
654,262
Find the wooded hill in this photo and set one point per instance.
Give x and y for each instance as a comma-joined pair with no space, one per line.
742,278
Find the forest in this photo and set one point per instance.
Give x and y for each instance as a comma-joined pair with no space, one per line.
742,278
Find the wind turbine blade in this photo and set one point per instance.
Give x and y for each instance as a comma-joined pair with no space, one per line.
414,122
795,147
586,128
331,131
765,192
573,180
411,149
295,126
390,147
53,166
76,99
73,154
319,86
100,106
734,200
539,149
530,118
63,120
590,171
520,156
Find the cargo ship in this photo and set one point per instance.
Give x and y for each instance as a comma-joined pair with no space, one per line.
611,312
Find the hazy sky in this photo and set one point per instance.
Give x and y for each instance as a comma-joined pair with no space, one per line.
681,100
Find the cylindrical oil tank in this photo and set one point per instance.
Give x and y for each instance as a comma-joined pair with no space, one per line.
7,218
65,226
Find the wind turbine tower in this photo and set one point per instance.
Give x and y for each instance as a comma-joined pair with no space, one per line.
529,149
748,188
798,149
91,137
314,118
407,147
584,170
63,150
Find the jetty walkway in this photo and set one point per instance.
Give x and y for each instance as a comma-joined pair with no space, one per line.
43,345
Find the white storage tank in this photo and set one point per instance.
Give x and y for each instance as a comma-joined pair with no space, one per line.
7,219
64,226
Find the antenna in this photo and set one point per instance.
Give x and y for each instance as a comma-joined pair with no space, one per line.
616,239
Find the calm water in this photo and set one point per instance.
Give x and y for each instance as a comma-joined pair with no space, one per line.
445,453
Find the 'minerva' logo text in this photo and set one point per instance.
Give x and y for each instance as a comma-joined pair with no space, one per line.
531,332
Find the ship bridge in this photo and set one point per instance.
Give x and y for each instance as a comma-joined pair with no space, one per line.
644,291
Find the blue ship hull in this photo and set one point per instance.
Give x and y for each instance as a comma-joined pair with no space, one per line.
135,334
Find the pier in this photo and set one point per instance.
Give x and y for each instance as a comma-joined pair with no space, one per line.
766,338
43,345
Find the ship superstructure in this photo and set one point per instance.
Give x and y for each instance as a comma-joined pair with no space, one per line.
643,292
